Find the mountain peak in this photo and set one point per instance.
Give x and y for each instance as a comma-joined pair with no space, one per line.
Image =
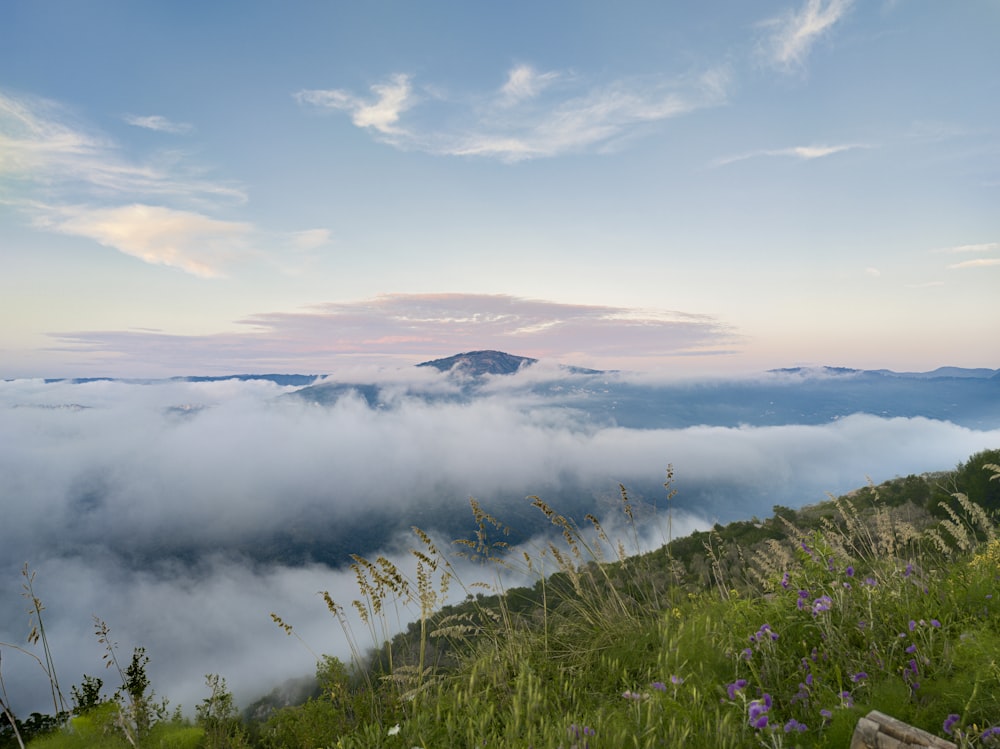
478,363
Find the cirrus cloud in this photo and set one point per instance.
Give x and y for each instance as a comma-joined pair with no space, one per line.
528,117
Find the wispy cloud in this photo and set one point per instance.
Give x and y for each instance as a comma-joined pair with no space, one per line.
982,262
983,247
803,153
524,82
381,112
74,181
189,241
421,325
159,123
528,117
42,147
795,33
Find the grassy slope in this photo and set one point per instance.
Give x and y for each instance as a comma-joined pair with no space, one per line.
779,632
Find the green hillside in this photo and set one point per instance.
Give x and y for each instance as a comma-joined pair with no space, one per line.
774,632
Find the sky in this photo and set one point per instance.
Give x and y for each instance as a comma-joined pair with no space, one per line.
714,187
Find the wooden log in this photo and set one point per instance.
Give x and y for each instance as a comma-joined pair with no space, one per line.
880,731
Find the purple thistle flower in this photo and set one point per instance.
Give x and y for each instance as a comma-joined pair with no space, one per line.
949,723
935,623
911,649
859,676
849,571
785,579
825,714
659,686
736,686
912,625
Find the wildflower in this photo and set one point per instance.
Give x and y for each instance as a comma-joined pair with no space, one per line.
823,603
736,686
794,725
803,596
935,623
859,676
911,649
849,571
825,714
637,696
990,733
846,700
785,579
949,723
912,625
870,581
393,731
757,711
659,686
676,680
908,571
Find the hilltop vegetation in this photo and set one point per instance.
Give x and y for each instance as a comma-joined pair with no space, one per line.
775,632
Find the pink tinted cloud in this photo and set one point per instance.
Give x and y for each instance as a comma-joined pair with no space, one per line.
412,326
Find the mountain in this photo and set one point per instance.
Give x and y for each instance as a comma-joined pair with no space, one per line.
478,363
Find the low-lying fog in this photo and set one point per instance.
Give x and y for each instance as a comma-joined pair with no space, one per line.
184,513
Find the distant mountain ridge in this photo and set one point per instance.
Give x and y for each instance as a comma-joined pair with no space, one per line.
981,373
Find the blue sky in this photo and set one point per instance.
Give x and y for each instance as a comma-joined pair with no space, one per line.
714,187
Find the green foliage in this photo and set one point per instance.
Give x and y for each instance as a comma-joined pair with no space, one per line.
88,695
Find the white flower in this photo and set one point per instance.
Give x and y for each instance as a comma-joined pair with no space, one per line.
394,730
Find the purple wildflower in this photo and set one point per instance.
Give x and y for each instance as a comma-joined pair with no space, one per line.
849,571
859,676
935,623
757,711
785,579
736,686
949,723
990,733
908,571
659,686
912,625
794,725
846,699
675,679
823,603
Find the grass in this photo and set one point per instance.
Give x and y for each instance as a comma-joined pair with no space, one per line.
779,633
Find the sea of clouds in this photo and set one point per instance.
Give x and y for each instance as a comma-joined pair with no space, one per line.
152,505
